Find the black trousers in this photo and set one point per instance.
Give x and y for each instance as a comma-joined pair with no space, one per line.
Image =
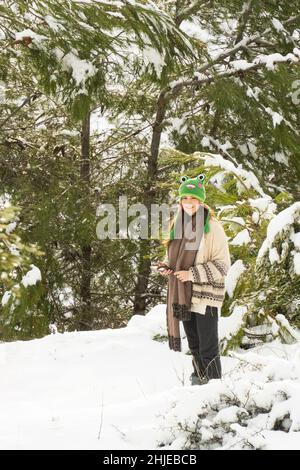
202,336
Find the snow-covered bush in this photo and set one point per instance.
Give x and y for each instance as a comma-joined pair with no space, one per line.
19,286
237,414
270,288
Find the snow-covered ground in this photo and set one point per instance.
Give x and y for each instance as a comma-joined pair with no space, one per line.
120,389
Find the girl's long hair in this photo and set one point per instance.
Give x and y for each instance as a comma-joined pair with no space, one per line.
172,219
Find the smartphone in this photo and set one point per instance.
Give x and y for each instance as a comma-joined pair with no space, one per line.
165,266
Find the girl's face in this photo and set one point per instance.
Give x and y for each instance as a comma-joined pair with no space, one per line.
190,204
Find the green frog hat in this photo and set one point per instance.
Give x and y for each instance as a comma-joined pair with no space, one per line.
192,187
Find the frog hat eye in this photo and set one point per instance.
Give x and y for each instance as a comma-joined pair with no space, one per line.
201,177
183,179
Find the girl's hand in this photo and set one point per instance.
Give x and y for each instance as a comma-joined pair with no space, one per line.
182,275
166,272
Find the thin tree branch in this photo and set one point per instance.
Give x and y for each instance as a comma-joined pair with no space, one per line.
189,10
243,22
27,100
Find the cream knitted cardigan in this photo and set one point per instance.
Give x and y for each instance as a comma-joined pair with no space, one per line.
211,265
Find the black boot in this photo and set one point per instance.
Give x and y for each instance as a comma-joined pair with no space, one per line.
199,370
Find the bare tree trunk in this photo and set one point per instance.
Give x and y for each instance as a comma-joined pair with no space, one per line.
149,198
86,272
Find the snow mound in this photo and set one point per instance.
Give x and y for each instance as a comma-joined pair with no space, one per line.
123,389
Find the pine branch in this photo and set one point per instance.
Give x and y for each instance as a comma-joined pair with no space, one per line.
244,42
252,66
219,59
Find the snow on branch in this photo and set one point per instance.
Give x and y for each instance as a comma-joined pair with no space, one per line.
239,66
243,43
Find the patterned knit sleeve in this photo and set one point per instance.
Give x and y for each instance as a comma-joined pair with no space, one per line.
215,269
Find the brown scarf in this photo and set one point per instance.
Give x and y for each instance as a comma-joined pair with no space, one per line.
179,294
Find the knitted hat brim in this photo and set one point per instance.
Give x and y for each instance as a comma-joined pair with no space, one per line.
178,198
